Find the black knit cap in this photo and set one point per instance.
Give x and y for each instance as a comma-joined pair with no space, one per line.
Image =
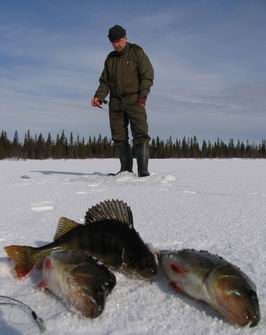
116,32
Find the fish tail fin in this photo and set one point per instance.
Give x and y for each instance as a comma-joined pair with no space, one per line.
23,258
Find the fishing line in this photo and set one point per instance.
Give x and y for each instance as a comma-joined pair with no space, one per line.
104,109
14,302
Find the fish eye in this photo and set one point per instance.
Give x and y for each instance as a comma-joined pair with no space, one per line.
252,295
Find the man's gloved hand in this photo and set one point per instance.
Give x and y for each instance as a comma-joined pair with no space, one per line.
141,101
96,102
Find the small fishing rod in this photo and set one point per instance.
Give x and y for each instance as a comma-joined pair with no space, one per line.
104,109
14,302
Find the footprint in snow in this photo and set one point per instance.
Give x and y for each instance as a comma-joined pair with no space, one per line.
168,179
125,177
42,206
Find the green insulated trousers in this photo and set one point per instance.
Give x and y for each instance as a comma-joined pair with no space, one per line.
124,110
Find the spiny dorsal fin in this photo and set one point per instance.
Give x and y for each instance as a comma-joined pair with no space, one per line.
64,226
110,210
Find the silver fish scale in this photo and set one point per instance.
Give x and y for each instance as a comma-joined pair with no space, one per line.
110,210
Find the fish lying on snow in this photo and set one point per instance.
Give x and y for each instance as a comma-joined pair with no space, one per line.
78,279
212,279
108,235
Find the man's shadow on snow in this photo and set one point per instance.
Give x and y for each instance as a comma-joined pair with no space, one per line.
200,305
50,172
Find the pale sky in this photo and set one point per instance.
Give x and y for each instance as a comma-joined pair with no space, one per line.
209,59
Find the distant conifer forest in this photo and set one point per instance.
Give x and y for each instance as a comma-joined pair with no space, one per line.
40,147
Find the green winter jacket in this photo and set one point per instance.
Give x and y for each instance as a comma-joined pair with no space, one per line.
126,72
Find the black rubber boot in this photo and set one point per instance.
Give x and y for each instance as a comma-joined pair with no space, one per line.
125,156
141,151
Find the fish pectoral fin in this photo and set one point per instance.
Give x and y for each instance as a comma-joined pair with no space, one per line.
38,266
181,270
43,284
110,210
64,226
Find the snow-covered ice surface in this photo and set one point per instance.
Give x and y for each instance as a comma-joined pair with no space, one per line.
215,205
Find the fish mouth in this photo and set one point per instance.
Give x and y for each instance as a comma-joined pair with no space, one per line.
92,310
254,317
96,311
248,317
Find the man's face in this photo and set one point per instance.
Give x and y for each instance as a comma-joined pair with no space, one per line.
118,45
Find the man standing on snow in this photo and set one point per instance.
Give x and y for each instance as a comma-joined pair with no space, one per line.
128,76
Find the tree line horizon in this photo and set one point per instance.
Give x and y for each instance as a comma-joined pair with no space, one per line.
39,147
